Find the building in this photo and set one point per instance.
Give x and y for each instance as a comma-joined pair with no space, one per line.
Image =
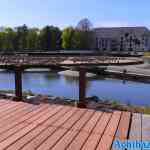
122,39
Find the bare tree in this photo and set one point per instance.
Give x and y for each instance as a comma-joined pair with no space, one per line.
84,25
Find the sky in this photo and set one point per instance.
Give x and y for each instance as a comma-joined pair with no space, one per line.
63,13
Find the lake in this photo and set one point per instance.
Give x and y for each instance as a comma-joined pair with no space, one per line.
58,85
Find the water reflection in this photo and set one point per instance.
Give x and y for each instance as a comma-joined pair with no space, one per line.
58,85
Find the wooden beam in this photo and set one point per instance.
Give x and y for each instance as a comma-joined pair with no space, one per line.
82,88
18,83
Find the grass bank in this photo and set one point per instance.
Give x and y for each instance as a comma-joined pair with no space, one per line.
92,102
146,53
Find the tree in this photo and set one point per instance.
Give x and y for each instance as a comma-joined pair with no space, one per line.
67,38
84,25
77,40
22,33
50,38
2,40
10,39
33,39
87,35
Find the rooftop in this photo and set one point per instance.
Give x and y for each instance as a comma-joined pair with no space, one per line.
117,31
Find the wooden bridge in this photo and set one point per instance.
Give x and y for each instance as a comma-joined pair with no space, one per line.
18,63
26,126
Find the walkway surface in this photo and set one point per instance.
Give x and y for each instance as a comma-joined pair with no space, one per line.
142,69
56,127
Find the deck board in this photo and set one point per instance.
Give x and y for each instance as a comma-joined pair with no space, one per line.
145,127
26,126
122,131
97,132
109,132
136,127
85,132
51,141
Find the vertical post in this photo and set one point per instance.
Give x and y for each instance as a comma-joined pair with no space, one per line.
82,88
18,83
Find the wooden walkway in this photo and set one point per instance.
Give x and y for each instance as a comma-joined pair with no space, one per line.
55,127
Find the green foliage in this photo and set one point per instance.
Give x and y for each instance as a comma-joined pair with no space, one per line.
51,38
115,104
24,38
146,53
67,38
33,39
76,39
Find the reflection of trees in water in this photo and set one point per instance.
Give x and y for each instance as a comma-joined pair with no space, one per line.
51,76
71,79
75,80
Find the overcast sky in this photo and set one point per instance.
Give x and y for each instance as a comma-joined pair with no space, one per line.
64,13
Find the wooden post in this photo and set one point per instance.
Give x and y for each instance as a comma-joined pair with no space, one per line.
82,88
18,84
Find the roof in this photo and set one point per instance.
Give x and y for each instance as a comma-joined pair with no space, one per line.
111,32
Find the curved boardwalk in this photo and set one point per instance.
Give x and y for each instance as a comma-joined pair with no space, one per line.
56,127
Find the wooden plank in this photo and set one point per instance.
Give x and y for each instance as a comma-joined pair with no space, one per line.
51,110
39,139
101,125
70,135
136,128
92,122
65,117
12,131
123,128
22,119
113,124
3,102
65,113
8,106
52,140
81,138
98,131
51,130
109,132
4,144
74,119
31,135
11,112
82,121
145,127
18,115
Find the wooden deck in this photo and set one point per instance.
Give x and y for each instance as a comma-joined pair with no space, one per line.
55,127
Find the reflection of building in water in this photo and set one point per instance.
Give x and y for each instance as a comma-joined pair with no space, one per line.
122,39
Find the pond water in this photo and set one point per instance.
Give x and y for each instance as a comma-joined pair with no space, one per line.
58,85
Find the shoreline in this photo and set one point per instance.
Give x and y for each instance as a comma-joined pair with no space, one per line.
91,102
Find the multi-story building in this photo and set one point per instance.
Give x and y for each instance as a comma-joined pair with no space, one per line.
122,39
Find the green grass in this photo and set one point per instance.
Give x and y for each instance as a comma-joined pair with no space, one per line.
24,93
146,53
114,104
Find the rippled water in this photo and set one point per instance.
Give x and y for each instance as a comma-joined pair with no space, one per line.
57,85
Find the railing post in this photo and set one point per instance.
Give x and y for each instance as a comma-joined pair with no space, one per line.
82,88
18,83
